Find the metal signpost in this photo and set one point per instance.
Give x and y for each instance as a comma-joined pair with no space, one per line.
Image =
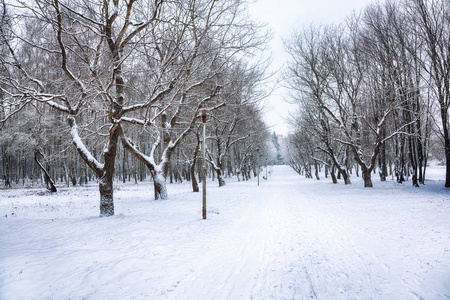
204,114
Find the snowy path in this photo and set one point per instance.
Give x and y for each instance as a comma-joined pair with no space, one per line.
289,238
257,256
294,243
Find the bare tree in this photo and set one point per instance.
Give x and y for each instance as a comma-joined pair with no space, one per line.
232,124
430,20
199,57
87,45
308,76
334,78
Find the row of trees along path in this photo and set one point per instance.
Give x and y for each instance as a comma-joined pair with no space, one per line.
133,74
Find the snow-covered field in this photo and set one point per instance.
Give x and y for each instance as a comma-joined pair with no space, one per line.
289,238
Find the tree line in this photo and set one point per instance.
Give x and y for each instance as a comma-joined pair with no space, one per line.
110,90
372,92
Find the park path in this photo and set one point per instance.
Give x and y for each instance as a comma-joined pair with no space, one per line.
288,242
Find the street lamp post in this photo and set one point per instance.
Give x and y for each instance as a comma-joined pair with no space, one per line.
266,169
204,113
257,162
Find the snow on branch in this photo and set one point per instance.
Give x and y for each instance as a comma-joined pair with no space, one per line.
399,131
347,143
319,160
210,160
11,113
324,150
47,100
241,138
95,165
134,121
147,160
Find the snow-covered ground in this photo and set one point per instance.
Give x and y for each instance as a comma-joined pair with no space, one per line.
289,238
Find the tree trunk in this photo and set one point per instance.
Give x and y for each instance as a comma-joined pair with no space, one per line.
447,157
80,178
446,136
73,177
413,159
24,168
420,144
424,171
333,174
307,169
400,162
85,171
194,182
220,177
345,176
7,175
104,171
382,162
435,36
66,174
106,181
124,166
158,173
316,171
49,182
106,195
366,174
341,170
159,184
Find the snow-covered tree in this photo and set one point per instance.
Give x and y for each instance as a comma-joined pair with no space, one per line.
200,60
89,47
130,73
329,69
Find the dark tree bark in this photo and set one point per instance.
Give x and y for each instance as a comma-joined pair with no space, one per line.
6,168
333,174
194,182
48,181
367,176
433,21
316,170
382,163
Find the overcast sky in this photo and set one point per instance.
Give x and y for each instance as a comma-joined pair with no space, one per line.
284,16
